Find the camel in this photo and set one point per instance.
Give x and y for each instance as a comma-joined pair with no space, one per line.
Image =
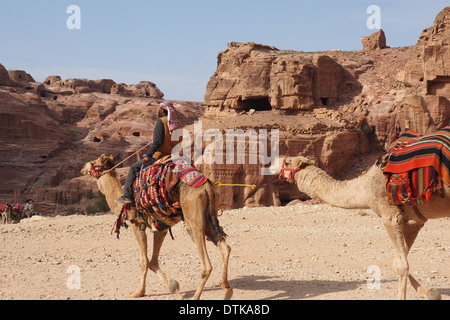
200,206
6,210
21,210
368,191
16,212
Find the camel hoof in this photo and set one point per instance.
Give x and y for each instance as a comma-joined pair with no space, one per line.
173,286
433,294
228,294
135,295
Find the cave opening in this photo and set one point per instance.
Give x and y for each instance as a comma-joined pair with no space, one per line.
325,101
258,104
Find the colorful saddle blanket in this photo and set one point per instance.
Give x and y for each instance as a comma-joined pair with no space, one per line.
416,166
153,183
412,151
187,173
413,187
18,207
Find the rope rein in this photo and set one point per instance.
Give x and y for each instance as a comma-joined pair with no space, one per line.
147,145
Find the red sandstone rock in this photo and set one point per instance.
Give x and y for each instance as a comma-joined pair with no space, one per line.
4,76
375,41
254,76
430,60
20,76
54,85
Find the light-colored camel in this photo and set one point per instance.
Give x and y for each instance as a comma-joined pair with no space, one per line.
200,206
368,191
6,213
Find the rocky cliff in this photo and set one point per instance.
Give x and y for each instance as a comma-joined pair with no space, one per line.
49,130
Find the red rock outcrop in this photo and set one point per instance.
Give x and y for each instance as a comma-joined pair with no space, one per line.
20,76
4,76
255,76
375,41
54,85
430,60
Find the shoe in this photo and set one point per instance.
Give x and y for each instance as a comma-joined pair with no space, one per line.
123,200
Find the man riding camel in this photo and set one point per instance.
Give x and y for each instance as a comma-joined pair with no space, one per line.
161,146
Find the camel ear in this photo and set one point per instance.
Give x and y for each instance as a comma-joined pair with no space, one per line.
305,162
310,162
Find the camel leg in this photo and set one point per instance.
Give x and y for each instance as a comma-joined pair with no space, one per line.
429,294
393,221
158,239
141,238
411,231
225,251
198,236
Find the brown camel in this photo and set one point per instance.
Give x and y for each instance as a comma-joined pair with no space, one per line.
368,191
200,206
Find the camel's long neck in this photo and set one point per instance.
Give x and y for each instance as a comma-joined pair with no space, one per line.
316,183
110,186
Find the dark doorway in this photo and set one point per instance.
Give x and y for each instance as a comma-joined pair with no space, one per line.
259,104
324,101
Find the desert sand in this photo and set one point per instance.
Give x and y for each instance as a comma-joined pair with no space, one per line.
302,251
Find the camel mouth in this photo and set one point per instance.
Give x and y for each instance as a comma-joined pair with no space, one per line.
86,170
276,165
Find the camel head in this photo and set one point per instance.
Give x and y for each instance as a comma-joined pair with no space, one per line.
289,165
97,167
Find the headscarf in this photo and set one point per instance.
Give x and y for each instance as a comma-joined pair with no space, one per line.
172,116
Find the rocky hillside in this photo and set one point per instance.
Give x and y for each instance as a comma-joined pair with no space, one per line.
342,109
49,130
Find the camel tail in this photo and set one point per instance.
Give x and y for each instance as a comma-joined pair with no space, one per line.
212,209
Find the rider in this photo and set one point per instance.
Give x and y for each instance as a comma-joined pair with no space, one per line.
161,146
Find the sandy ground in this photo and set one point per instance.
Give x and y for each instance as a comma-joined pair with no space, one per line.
304,251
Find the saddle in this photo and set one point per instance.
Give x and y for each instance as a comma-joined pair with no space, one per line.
18,207
417,166
153,186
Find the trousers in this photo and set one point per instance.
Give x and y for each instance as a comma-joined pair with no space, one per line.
134,169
